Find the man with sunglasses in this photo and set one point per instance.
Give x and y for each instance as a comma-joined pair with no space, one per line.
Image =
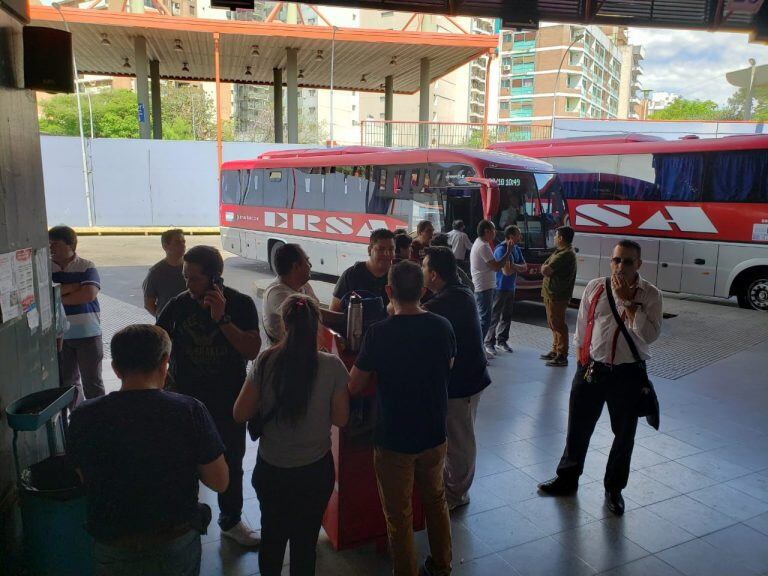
608,372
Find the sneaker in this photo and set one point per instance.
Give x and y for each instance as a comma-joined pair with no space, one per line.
548,356
243,535
558,361
489,351
504,347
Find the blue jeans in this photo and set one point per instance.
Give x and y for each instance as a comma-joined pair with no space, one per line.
179,557
484,302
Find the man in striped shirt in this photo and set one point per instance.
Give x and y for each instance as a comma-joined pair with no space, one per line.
82,352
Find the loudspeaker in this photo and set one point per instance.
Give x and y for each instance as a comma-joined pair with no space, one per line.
48,65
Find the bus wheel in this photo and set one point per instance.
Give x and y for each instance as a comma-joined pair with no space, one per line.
753,292
272,250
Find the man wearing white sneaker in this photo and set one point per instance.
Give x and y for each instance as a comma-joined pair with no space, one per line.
504,297
215,331
484,266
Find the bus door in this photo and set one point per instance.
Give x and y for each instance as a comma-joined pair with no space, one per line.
699,268
670,270
520,205
464,203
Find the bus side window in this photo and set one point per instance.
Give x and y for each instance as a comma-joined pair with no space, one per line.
679,176
276,187
738,177
310,189
254,192
379,196
345,191
230,187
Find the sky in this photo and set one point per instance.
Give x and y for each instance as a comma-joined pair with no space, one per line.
693,64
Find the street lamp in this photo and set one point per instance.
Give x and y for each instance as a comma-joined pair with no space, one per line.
577,38
748,101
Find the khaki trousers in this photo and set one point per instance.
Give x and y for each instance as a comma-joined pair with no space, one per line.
556,323
395,474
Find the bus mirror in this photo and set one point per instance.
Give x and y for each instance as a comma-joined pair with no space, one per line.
489,193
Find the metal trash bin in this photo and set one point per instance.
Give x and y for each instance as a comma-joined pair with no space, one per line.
53,505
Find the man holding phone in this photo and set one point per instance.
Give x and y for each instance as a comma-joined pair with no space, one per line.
214,332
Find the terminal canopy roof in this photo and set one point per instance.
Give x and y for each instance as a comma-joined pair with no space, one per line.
695,14
103,43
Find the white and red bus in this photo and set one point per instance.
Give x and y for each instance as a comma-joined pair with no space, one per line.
329,201
698,207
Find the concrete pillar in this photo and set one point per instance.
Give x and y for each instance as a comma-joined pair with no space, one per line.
142,84
425,103
277,86
292,94
388,108
157,107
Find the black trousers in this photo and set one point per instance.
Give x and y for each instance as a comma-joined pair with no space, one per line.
231,500
620,389
292,501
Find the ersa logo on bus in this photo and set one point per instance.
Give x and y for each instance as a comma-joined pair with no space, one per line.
359,226
662,217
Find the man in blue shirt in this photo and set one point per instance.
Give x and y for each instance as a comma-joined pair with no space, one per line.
504,297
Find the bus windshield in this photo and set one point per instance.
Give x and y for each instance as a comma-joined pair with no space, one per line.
532,202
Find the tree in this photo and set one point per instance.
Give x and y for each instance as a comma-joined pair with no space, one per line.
262,128
734,109
684,109
114,115
188,114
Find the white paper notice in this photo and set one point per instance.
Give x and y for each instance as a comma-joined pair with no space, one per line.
9,300
33,319
44,287
25,279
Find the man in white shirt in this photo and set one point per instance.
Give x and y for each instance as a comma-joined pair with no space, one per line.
484,266
293,269
609,373
459,242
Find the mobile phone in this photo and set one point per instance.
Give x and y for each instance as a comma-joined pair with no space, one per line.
217,281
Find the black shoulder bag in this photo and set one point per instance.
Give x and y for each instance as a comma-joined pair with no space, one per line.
257,422
648,404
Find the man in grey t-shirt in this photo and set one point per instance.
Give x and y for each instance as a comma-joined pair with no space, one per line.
165,279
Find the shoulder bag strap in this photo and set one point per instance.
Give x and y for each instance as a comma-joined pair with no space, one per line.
622,327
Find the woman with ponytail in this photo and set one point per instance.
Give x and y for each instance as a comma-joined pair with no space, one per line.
299,392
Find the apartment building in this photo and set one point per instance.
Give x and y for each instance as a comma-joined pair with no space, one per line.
563,70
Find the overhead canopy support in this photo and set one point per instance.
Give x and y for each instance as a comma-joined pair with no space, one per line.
425,101
277,97
142,84
388,109
157,107
292,94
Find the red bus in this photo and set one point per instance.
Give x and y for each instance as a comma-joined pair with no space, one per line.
698,207
329,201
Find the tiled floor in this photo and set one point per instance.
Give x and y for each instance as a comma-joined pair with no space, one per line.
697,500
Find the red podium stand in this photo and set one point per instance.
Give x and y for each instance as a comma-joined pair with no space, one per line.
354,515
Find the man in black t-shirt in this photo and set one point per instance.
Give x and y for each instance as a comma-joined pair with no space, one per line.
412,396
469,377
140,452
371,275
215,331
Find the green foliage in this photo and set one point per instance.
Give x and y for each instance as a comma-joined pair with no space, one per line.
684,109
735,106
188,114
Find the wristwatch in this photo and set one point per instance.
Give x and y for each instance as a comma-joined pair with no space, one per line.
630,303
224,320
